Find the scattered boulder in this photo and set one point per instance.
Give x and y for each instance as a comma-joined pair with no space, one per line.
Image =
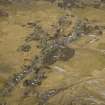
32,82
25,48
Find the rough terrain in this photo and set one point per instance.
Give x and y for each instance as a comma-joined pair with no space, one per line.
52,53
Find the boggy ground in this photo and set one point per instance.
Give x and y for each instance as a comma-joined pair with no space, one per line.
81,78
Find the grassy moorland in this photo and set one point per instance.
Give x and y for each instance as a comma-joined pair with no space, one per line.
83,73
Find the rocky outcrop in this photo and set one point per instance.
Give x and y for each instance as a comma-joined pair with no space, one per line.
62,3
23,2
81,3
